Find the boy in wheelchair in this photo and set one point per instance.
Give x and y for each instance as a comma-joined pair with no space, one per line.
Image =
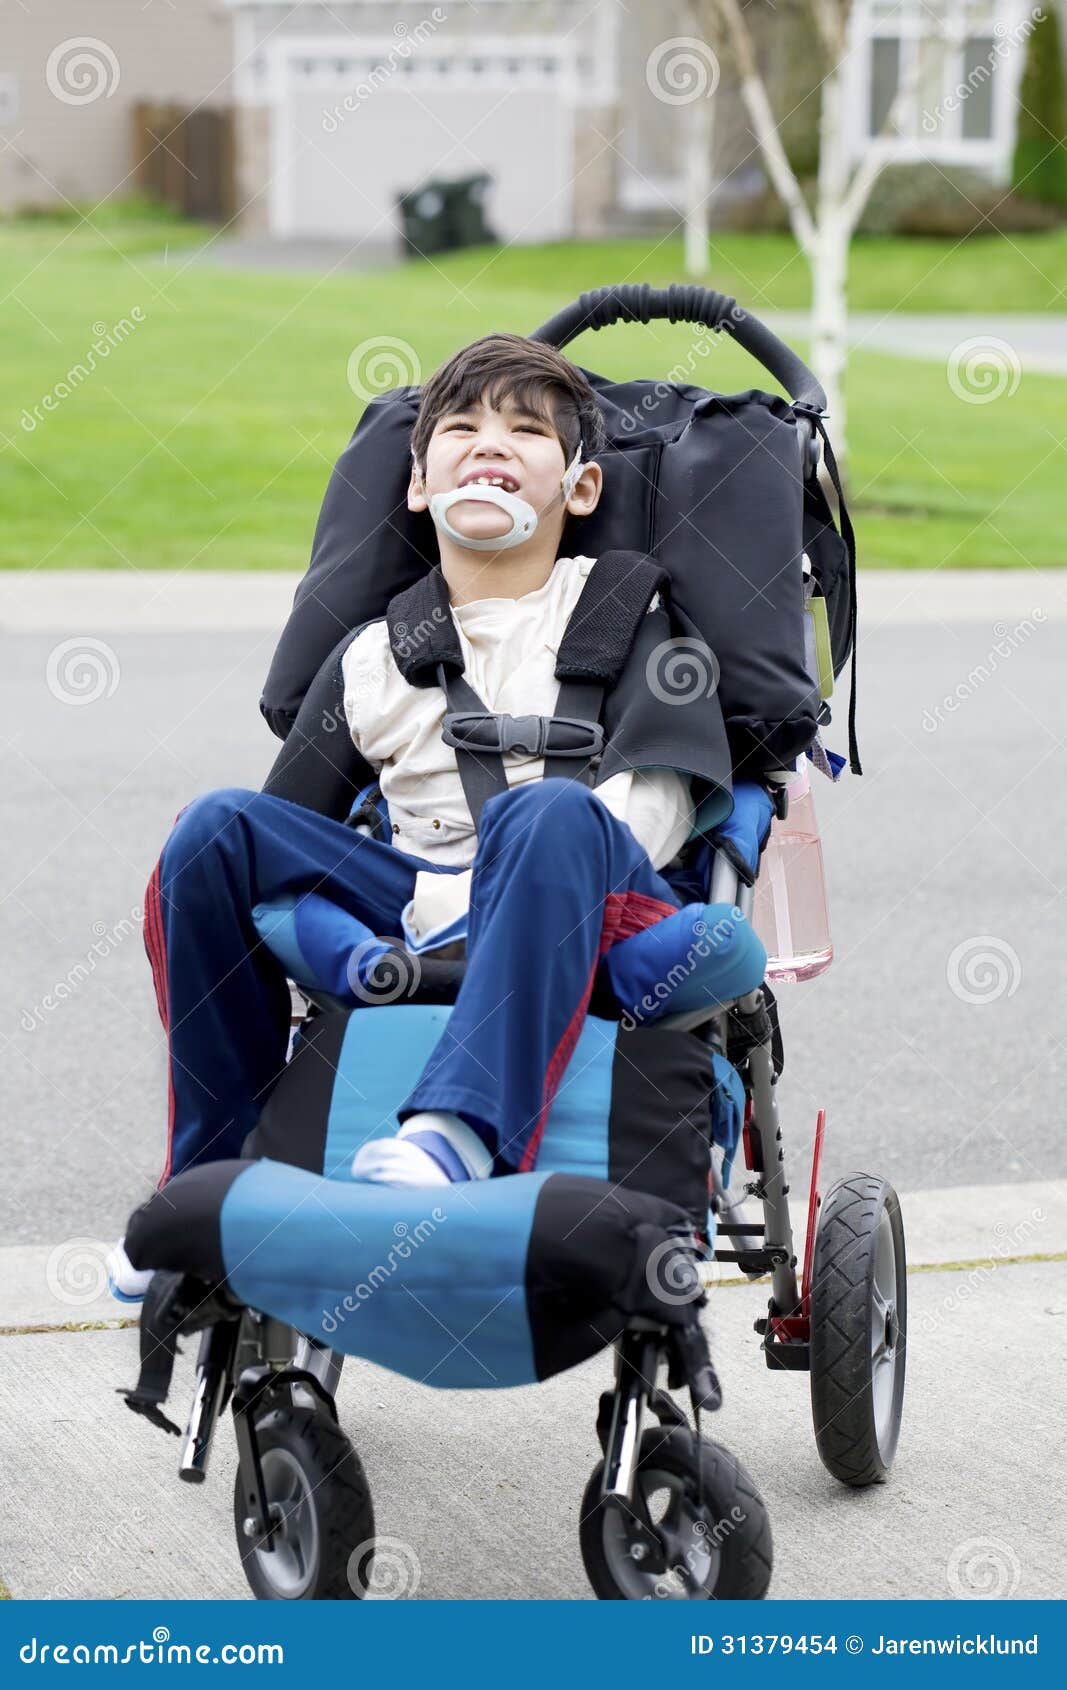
596,861
545,800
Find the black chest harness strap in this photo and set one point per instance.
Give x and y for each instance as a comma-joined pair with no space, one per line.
592,654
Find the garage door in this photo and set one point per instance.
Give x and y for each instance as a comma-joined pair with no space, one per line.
345,147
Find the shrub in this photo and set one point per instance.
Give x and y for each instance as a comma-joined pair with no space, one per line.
1039,168
922,199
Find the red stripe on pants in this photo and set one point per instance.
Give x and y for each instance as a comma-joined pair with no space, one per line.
157,957
625,913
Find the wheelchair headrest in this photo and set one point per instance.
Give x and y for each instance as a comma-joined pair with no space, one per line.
709,483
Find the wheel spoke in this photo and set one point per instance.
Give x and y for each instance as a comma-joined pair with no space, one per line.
884,1276
290,1565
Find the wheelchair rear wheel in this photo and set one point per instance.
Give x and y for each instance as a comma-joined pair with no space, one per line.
859,1323
320,1504
716,1542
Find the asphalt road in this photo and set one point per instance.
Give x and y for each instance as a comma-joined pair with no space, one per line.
936,1040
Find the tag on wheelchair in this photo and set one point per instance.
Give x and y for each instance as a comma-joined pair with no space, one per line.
817,650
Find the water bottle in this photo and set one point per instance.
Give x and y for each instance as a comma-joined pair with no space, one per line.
790,913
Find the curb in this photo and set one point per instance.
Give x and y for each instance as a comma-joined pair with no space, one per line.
63,1287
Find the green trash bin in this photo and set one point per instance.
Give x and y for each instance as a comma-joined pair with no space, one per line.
441,215
423,220
465,210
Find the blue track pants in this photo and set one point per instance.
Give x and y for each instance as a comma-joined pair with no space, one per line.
556,881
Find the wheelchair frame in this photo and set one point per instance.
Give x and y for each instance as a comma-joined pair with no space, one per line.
260,1362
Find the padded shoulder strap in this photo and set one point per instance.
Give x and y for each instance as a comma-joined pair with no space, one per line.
604,623
422,633
596,642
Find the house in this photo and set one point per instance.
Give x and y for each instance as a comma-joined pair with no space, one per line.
339,105
343,106
960,64
577,109
71,76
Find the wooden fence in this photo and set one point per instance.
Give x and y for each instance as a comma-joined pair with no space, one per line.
187,159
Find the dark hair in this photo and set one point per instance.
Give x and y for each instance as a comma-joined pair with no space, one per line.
533,375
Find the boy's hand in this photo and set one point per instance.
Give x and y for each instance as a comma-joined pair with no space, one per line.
743,836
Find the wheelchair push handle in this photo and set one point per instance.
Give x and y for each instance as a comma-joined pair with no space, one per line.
638,302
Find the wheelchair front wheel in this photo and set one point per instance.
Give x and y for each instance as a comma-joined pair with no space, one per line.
320,1504
859,1324
715,1538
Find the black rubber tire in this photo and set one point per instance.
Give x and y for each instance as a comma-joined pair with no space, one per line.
842,1315
339,1495
745,1552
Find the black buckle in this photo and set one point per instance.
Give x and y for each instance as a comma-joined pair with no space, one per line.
526,736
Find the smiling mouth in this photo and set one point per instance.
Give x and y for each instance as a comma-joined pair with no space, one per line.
507,482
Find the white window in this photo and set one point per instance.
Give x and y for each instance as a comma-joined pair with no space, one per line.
960,62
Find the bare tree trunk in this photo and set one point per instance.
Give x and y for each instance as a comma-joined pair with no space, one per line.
842,193
829,258
697,186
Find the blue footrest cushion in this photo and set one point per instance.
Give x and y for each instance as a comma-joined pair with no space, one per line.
503,1282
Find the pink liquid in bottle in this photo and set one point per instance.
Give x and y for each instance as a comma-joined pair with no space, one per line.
790,913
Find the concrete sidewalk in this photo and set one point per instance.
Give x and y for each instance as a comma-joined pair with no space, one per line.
102,601
480,1492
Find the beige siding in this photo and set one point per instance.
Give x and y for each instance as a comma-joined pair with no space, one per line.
178,52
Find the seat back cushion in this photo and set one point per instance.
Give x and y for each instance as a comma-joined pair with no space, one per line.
637,1106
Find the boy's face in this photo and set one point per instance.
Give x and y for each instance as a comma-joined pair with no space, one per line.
512,448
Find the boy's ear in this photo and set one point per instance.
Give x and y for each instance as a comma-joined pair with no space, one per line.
417,499
587,490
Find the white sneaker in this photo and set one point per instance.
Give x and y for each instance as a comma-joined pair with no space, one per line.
125,1282
393,1161
431,1148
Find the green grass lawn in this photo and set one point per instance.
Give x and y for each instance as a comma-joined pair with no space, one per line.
206,436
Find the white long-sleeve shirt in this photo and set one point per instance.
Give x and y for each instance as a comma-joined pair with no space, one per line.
509,648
